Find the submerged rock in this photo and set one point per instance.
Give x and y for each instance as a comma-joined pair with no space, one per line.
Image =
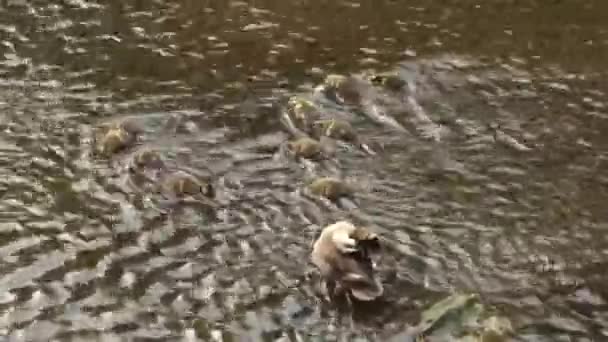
461,317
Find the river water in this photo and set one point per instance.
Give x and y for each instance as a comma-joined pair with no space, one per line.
494,184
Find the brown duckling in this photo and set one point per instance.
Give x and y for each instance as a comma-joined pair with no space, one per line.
303,112
330,188
305,147
336,129
339,130
117,136
181,184
147,158
343,89
343,253
113,141
388,81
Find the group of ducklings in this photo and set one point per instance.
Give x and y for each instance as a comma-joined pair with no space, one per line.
304,120
350,90
307,118
343,253
115,137
304,117
309,131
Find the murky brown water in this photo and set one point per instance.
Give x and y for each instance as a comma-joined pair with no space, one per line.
84,254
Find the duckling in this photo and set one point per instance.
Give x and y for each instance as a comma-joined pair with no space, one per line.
343,89
303,112
330,188
113,141
305,147
116,137
146,158
181,184
340,130
389,81
343,255
335,128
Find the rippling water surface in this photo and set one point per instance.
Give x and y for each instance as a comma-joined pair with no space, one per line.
495,184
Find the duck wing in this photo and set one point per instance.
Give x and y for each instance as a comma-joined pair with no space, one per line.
356,273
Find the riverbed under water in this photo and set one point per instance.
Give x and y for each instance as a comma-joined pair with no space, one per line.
495,185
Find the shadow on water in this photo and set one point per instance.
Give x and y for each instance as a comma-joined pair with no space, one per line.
487,173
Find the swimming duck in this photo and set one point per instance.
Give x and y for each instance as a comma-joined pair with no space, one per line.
330,188
390,81
336,129
303,112
114,137
305,147
113,141
181,184
343,253
340,130
146,158
342,89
